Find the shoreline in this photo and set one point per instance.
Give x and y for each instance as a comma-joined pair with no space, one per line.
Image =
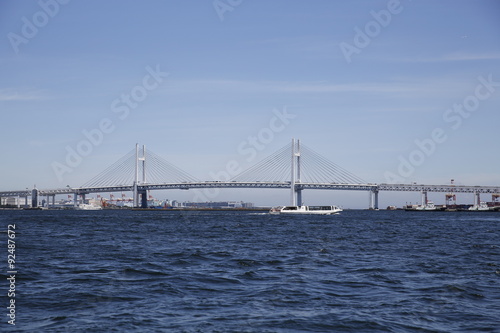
260,209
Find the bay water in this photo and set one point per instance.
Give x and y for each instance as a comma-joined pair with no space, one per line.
244,271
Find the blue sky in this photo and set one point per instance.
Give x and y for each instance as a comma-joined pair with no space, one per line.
225,67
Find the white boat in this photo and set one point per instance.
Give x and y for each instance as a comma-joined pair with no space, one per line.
87,207
429,206
483,206
320,210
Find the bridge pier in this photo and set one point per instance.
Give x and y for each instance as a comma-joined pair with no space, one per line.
53,196
140,196
424,198
477,198
135,195
144,198
374,199
298,193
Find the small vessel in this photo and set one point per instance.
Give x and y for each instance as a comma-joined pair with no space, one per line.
483,207
87,207
319,210
430,206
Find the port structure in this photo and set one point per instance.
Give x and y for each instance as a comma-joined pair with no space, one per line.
295,167
495,198
451,198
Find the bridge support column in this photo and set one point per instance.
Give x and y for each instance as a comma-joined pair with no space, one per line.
424,198
135,195
374,199
296,194
477,198
144,198
299,197
34,198
26,201
75,199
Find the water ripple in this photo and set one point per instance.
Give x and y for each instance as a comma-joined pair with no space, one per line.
361,271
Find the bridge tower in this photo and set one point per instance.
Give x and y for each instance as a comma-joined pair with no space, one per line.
295,190
140,163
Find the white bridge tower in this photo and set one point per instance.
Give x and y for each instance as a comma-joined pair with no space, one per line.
137,182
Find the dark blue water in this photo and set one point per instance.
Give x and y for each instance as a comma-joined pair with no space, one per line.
156,271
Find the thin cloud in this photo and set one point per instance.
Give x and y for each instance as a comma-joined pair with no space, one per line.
342,88
452,57
471,57
287,87
16,95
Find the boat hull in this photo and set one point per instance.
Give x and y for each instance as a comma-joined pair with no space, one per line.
87,207
306,210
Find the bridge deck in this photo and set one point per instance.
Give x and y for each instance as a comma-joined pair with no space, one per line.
276,185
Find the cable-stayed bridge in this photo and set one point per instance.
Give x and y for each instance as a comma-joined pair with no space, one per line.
294,167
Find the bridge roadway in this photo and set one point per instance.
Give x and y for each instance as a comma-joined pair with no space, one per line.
282,185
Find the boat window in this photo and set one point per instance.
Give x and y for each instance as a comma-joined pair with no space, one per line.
320,208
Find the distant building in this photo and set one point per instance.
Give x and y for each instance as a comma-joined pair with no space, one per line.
247,205
14,201
218,204
176,204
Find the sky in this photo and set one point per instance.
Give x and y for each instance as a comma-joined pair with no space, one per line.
393,91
